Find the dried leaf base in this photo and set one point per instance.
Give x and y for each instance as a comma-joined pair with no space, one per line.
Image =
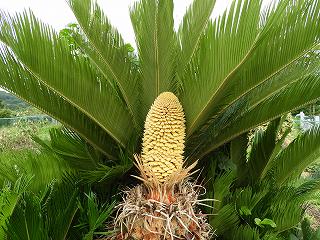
176,216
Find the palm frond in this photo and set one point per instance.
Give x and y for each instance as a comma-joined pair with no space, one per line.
10,195
96,214
291,162
73,149
225,220
59,208
106,49
43,167
26,222
308,66
16,80
287,34
227,40
49,60
221,188
46,216
249,198
192,28
273,236
283,208
293,96
152,21
104,173
90,164
263,145
238,155
245,233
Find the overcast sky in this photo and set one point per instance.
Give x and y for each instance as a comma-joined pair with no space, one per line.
58,15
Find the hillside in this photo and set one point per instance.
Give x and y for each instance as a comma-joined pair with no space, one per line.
12,102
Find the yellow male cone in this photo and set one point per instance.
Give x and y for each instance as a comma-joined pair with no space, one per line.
164,206
163,140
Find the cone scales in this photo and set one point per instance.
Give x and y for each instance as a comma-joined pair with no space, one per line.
163,140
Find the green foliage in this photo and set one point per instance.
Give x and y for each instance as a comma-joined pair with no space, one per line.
40,199
307,232
247,67
222,92
311,109
42,167
92,166
47,215
96,215
10,195
11,102
266,204
19,135
4,112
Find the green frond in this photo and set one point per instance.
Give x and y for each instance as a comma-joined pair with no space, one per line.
293,96
225,43
291,162
263,145
152,22
108,52
273,236
73,149
221,188
104,173
16,80
225,219
44,217
300,70
245,233
286,214
42,167
288,33
81,157
308,188
192,28
249,198
97,214
10,195
48,59
238,155
26,222
59,209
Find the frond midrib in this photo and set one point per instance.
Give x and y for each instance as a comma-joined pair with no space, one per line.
254,126
300,164
260,101
156,51
65,97
253,87
129,106
252,47
61,121
199,36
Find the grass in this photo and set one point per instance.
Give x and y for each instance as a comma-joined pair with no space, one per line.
18,136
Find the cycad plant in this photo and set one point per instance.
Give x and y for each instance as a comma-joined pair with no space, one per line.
262,196
231,74
164,206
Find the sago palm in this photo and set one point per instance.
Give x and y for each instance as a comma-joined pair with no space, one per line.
230,74
263,196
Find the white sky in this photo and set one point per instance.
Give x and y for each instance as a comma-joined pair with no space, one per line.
58,15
